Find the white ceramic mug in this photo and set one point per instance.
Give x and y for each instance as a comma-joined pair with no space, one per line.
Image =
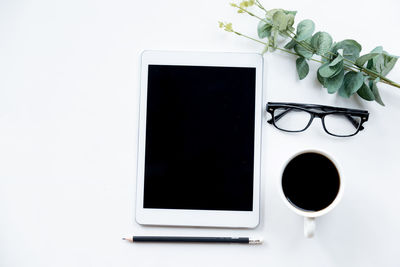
309,216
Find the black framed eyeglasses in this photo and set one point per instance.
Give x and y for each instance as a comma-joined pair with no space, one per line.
296,117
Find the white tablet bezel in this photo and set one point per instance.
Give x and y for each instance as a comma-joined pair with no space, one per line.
204,218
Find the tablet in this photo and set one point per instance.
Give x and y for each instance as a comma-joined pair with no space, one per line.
199,139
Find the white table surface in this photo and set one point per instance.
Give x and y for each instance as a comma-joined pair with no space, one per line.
68,129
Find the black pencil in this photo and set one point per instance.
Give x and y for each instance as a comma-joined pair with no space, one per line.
193,239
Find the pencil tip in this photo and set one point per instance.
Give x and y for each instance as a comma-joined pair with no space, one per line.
128,239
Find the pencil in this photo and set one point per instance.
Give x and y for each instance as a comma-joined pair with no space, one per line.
193,239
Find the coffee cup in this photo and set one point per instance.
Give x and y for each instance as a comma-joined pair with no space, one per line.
311,185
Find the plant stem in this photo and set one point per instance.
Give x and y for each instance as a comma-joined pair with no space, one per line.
302,44
278,48
260,5
373,73
248,12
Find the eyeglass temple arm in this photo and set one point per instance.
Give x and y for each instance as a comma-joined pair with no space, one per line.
278,117
323,107
354,122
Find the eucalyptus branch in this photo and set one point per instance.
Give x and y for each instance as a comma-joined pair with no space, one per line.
342,68
228,28
243,10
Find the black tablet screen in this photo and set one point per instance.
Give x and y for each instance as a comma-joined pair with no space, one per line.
200,138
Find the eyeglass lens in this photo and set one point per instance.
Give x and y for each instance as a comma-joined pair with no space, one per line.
342,124
291,119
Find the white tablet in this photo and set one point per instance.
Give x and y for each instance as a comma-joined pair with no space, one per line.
199,139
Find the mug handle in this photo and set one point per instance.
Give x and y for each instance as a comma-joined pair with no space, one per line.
309,227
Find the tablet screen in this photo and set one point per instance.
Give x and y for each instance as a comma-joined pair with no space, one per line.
199,138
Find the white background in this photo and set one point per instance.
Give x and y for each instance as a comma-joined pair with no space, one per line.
68,128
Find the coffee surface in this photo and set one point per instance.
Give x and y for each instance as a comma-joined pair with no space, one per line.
310,181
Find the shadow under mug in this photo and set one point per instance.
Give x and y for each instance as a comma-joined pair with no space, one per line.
311,185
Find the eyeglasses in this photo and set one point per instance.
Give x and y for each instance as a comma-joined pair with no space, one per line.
294,117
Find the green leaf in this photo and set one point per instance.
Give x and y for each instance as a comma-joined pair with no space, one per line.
351,49
331,69
342,92
305,29
334,83
271,13
338,59
389,62
383,63
361,60
293,13
264,29
370,65
321,42
302,51
352,82
378,63
378,49
366,93
291,44
321,79
375,91
302,67
281,20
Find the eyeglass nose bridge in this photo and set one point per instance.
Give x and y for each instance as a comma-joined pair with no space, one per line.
314,115
318,114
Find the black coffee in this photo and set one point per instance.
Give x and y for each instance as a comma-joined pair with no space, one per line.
310,181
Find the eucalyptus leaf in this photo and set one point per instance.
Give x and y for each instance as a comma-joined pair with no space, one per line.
366,93
321,79
331,69
302,51
321,42
291,44
264,29
389,62
282,21
334,83
351,49
378,63
293,13
342,92
352,82
302,67
378,49
336,61
271,13
361,60
370,65
305,29
375,91
383,63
